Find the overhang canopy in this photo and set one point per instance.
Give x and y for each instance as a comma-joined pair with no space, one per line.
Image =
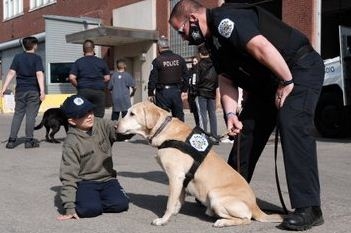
112,36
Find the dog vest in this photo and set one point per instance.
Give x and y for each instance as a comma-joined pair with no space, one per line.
197,145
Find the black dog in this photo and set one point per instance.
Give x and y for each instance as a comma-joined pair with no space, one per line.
53,118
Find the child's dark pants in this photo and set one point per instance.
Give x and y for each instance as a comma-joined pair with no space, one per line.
94,198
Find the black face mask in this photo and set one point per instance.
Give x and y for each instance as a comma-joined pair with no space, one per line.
195,35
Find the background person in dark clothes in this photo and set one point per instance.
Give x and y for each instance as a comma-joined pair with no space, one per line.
192,89
207,84
168,79
28,69
122,87
282,77
89,74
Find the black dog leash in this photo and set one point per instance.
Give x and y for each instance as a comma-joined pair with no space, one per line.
276,141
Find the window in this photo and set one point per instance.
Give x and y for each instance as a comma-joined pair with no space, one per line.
12,8
40,3
59,72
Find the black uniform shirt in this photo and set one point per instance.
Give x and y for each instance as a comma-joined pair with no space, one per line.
231,30
167,69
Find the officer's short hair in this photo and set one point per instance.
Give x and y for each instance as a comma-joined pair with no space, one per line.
163,42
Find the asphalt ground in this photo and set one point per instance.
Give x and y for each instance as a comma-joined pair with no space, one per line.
29,189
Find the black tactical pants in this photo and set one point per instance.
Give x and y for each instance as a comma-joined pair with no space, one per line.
295,119
170,100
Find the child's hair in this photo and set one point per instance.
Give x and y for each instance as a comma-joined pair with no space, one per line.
121,64
29,42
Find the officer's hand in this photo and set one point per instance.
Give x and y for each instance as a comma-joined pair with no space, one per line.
234,125
152,99
282,93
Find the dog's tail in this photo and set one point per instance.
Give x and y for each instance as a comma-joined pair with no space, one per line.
41,124
261,216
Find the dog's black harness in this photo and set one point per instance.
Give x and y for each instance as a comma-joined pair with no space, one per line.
197,145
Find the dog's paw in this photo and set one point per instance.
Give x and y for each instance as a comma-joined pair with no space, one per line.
219,223
159,222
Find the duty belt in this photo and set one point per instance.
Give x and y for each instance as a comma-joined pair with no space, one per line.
166,86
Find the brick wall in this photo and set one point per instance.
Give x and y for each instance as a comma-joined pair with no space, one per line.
299,15
32,22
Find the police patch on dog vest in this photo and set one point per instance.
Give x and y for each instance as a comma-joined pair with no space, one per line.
198,140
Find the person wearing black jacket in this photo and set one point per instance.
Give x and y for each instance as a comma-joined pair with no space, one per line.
207,84
192,90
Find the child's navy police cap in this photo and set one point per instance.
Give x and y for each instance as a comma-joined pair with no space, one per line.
76,106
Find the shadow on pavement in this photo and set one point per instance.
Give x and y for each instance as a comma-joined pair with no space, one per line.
57,199
157,205
155,176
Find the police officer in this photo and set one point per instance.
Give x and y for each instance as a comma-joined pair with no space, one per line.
282,76
168,79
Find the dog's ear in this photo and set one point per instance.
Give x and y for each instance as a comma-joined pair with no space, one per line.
152,115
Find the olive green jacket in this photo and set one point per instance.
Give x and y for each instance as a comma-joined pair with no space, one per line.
87,157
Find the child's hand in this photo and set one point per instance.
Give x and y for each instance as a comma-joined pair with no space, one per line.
67,216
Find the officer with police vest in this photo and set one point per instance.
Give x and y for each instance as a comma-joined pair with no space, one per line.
282,76
168,79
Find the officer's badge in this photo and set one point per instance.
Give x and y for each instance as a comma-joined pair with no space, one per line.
225,27
199,142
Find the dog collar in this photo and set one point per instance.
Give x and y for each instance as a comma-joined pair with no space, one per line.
163,125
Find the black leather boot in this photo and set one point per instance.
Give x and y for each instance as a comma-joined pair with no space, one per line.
303,218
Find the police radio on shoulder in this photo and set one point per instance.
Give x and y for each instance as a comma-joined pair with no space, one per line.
285,83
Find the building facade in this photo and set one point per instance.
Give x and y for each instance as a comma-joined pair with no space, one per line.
128,29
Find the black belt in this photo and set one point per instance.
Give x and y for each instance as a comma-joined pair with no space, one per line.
167,86
300,53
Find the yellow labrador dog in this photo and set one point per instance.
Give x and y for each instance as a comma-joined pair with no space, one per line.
220,188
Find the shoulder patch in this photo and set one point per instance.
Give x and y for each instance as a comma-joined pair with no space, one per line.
226,27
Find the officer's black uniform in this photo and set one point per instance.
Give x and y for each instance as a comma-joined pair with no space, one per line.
231,29
169,77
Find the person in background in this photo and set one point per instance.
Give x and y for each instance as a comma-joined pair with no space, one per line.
89,74
28,69
207,84
122,87
89,183
192,90
168,79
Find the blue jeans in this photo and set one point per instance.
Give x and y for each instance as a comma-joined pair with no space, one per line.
94,198
207,106
27,103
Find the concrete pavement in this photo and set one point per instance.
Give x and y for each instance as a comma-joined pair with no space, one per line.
29,189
